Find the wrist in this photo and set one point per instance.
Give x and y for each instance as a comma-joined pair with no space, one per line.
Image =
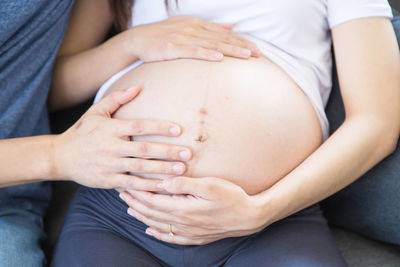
259,207
42,148
130,44
55,158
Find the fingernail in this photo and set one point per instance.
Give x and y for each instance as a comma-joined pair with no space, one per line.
184,155
178,168
256,51
245,52
122,196
218,55
149,232
130,90
174,130
131,212
160,185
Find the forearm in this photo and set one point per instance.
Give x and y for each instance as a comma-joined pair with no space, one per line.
25,160
352,150
367,60
92,154
77,77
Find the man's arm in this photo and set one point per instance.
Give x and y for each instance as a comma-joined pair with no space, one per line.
25,160
95,151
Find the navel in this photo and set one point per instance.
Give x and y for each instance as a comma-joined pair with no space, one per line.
203,111
201,138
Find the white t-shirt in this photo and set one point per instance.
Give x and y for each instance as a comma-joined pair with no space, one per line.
295,34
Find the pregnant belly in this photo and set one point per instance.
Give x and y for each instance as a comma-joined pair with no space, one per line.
245,120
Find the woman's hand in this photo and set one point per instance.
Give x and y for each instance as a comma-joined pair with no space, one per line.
187,37
97,151
200,210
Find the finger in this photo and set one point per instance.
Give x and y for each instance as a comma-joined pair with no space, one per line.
236,40
140,127
205,188
136,183
165,226
196,225
152,217
109,104
137,165
231,39
162,227
168,203
195,52
176,216
225,48
149,150
175,239
226,26
217,27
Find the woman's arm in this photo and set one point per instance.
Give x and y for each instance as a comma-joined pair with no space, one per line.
82,63
95,152
85,61
368,64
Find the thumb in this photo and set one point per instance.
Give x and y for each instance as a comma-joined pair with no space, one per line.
111,103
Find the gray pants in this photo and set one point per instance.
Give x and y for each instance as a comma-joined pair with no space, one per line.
98,232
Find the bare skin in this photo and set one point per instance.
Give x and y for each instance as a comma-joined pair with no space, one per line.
203,210
248,129
206,209
77,75
76,154
80,71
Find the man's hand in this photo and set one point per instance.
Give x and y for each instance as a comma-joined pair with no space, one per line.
199,210
97,152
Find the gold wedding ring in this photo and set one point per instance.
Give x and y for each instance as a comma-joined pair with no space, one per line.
170,230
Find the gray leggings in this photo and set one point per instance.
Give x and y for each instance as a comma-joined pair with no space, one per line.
98,232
